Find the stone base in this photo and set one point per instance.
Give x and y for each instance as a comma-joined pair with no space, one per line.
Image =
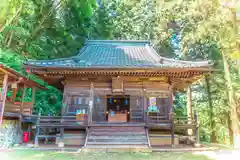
10,132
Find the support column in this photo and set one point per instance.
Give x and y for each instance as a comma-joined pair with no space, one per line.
3,97
33,98
21,112
63,112
171,116
145,108
91,103
189,109
22,99
37,130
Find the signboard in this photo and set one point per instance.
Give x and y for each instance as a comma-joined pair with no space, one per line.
117,84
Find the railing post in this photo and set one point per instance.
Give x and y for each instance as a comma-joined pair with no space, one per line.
61,143
37,129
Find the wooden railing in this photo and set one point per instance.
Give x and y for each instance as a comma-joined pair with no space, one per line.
184,120
154,117
60,121
15,107
136,115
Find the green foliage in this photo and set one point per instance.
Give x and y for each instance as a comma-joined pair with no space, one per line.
48,100
42,29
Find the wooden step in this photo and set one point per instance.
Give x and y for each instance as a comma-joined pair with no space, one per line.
119,146
116,140
116,133
118,143
118,129
123,136
117,137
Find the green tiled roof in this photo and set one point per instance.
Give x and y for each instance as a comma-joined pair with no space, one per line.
116,54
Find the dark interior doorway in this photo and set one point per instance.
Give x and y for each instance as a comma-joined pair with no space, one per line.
118,104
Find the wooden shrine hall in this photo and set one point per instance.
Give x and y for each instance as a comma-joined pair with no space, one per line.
120,93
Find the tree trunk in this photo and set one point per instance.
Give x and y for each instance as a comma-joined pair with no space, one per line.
12,18
230,132
211,121
232,104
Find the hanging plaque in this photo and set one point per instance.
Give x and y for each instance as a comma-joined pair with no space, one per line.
117,84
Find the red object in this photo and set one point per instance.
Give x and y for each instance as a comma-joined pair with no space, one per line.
28,70
26,136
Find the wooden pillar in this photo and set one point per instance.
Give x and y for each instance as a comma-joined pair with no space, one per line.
189,109
91,103
37,130
21,112
63,112
171,116
171,108
33,98
3,97
22,99
145,108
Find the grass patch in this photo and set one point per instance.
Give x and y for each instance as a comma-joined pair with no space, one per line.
45,155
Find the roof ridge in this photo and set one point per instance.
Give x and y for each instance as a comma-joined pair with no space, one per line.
116,40
104,42
184,61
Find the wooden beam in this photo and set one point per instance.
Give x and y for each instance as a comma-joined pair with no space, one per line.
3,97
